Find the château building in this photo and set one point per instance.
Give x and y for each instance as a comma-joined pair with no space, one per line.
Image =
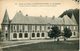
33,27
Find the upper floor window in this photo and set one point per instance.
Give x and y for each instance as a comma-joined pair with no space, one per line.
11,28
25,28
33,28
38,28
6,28
43,28
62,28
74,27
14,28
21,28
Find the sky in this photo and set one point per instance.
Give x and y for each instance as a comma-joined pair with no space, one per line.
36,7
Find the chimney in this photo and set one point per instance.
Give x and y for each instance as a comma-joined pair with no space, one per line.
46,16
26,14
53,17
40,15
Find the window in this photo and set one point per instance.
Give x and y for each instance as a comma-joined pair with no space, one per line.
14,35
14,27
38,28
74,27
20,28
38,34
42,27
33,27
48,27
6,28
25,28
17,28
6,35
20,35
42,34
11,28
26,35
33,34
62,28
74,33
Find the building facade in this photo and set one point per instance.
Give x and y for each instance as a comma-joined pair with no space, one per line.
32,27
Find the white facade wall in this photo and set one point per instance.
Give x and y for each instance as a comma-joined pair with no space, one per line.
39,30
23,36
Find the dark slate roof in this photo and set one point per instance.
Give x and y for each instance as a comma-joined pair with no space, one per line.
6,18
19,18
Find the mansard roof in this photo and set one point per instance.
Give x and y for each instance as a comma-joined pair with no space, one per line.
6,18
19,18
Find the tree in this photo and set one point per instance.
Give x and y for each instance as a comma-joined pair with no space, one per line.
69,12
55,32
67,33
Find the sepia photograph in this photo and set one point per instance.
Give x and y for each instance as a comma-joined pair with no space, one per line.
39,25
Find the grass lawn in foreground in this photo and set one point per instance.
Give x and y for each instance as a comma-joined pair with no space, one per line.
47,46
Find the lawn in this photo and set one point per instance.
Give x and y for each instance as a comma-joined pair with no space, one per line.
47,46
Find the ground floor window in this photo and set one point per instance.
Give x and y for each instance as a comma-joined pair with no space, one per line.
6,35
48,27
14,35
74,33
20,35
26,35
33,34
38,34
42,34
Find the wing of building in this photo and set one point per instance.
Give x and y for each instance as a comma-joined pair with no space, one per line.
33,27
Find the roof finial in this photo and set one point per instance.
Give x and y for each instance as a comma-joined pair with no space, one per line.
6,18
